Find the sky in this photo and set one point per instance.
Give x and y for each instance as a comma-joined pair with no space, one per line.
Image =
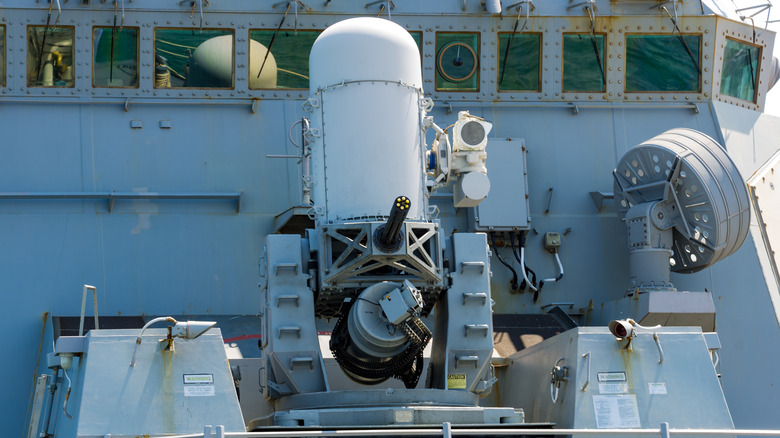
773,97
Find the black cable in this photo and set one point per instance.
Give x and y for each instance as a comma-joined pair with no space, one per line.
681,38
538,289
523,284
516,252
595,45
273,38
508,45
512,284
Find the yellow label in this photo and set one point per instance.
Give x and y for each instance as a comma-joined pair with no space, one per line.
456,381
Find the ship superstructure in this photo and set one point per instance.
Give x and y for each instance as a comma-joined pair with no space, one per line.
488,215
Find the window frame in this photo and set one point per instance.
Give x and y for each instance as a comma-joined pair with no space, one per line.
604,65
137,58
477,60
757,72
231,32
700,77
249,57
26,62
499,54
3,56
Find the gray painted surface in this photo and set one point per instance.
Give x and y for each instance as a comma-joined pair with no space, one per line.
200,257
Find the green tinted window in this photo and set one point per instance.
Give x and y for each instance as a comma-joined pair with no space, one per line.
193,58
287,66
662,63
518,68
583,62
417,39
457,61
2,56
50,56
115,57
740,70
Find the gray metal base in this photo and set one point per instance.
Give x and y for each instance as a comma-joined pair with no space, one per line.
379,407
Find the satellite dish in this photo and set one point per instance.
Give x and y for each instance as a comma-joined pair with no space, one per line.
700,194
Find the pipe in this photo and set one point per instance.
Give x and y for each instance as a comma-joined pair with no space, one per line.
67,395
49,403
138,341
560,269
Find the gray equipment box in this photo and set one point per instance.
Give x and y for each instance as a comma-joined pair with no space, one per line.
165,393
610,387
506,206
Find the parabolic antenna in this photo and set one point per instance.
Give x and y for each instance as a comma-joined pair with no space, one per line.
698,190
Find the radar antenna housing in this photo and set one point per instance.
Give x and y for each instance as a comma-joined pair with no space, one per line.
684,203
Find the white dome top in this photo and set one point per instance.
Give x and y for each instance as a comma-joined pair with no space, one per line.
365,49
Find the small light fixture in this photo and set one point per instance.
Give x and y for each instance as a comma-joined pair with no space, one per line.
621,328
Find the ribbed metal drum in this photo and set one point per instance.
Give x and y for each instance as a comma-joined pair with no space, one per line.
713,201
366,119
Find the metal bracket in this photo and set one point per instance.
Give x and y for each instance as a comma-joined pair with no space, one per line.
599,197
587,373
474,296
295,361
310,104
549,200
586,3
84,307
477,327
660,350
295,299
282,266
294,329
459,359
472,265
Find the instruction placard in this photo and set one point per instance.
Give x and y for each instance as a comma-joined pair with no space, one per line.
616,411
658,388
613,388
199,390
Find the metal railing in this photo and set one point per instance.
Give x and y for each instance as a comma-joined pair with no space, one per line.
447,431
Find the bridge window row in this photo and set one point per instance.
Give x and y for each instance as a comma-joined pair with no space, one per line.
204,58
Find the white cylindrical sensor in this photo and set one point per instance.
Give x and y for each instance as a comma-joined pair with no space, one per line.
366,86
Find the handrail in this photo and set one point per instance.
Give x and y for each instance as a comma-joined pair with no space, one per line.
448,430
113,196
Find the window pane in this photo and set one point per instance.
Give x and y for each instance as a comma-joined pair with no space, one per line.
115,52
457,61
191,58
50,56
417,39
2,56
519,69
287,66
583,62
662,63
740,70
